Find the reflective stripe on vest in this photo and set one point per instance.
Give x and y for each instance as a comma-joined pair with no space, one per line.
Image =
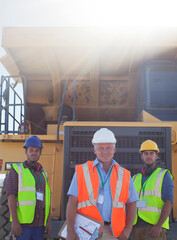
25,206
134,178
23,189
116,202
151,213
22,203
88,185
91,201
156,191
149,209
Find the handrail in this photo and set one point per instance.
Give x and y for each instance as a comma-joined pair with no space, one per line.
5,95
62,103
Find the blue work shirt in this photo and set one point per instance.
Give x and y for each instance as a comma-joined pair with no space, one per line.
167,187
105,208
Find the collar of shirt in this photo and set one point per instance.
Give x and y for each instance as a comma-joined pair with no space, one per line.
96,162
26,165
104,208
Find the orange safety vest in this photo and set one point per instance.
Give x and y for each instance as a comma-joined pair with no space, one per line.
88,185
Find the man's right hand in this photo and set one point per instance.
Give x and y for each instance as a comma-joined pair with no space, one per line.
15,225
16,228
71,211
72,236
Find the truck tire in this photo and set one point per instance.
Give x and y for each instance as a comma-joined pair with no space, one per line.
4,215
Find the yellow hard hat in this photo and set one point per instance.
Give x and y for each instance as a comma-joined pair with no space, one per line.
149,145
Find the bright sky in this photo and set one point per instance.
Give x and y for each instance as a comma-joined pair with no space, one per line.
119,13
140,14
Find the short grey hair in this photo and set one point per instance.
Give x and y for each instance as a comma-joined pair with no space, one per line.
94,145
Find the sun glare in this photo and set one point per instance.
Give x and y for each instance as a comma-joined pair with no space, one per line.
120,13
127,13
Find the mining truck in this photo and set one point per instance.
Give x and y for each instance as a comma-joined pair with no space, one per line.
65,83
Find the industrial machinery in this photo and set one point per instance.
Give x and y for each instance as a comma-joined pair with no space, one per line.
66,83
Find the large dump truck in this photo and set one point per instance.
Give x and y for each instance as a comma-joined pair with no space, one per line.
74,81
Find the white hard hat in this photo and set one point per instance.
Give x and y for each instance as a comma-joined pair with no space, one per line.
103,135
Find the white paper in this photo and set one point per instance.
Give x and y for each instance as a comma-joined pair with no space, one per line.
100,199
84,223
40,196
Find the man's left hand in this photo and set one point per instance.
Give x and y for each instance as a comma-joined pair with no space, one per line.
155,231
125,234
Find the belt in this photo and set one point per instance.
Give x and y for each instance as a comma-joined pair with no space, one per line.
107,223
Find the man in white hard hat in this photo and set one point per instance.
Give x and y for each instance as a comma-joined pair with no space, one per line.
103,190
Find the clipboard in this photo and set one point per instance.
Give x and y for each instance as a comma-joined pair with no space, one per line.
86,228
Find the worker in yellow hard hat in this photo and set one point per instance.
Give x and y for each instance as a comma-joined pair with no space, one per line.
155,188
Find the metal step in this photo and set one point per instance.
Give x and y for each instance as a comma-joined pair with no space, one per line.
172,233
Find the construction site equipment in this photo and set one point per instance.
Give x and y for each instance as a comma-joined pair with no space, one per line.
75,81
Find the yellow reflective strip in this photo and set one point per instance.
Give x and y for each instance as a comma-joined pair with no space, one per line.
149,209
23,203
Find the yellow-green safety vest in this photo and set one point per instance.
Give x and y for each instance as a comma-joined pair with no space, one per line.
151,192
26,198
